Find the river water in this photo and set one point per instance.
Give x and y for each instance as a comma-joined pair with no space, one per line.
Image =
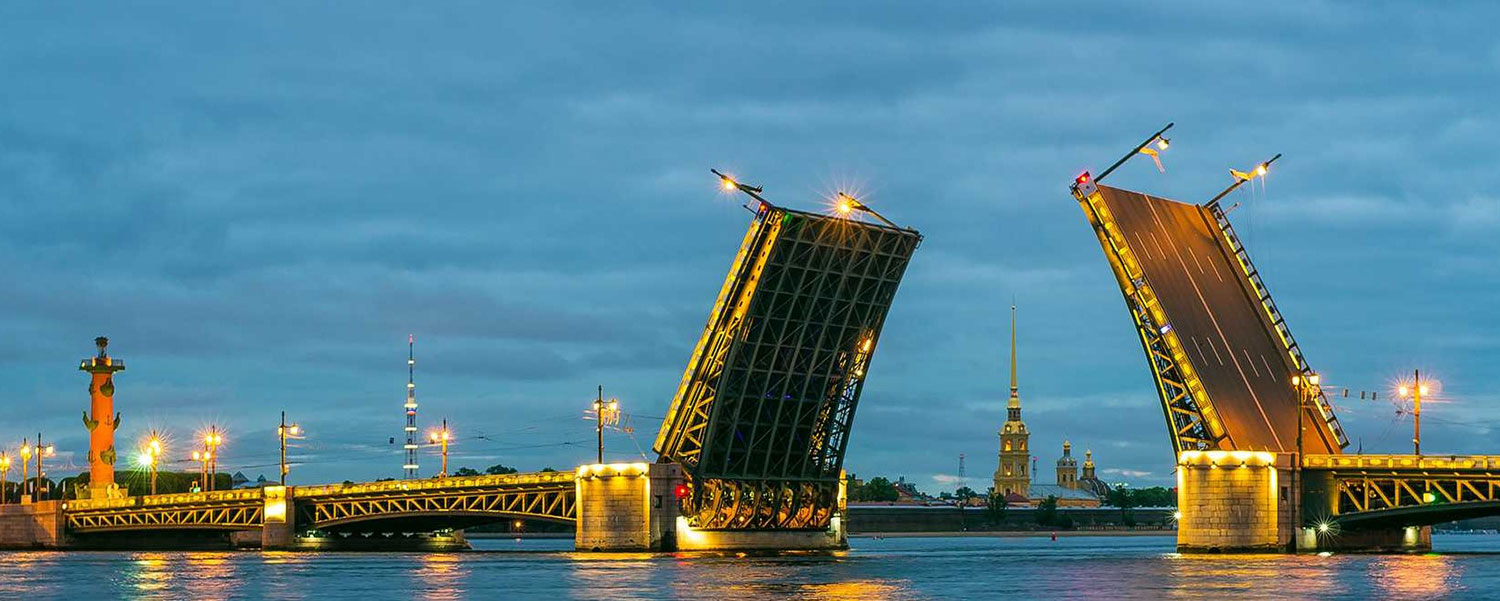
1465,567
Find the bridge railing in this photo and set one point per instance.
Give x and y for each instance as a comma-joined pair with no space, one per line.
452,482
245,494
1404,463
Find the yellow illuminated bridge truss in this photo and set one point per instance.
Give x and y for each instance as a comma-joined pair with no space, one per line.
543,495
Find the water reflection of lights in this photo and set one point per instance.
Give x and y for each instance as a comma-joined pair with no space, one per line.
441,576
150,572
213,575
1409,576
1194,576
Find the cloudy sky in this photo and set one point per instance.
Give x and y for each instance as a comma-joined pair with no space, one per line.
258,202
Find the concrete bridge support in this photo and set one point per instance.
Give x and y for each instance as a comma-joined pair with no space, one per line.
634,507
33,526
1241,502
278,530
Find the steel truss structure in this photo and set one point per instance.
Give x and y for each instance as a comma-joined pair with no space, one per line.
236,514
762,415
1192,422
1383,482
545,496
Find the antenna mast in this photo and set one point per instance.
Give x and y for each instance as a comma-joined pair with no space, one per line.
410,466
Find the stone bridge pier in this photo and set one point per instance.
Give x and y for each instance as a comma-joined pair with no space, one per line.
1242,501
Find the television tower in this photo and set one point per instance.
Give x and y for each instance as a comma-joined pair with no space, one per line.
410,466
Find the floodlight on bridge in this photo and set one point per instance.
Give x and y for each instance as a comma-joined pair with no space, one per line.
847,204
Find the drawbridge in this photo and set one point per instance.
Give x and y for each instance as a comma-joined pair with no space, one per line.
762,416
1238,394
1219,350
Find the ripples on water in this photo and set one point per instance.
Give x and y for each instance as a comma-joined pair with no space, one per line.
896,568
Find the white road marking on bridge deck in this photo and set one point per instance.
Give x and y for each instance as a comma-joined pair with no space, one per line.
1197,262
1216,352
1159,251
1215,265
1245,379
1142,243
1199,345
1250,361
1268,366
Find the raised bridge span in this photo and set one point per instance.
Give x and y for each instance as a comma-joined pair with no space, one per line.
1235,388
751,451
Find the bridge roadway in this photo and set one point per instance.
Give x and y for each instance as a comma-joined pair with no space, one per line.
393,505
1213,307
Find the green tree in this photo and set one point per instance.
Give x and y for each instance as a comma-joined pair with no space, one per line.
547,470
994,510
465,471
1046,512
964,493
498,469
878,489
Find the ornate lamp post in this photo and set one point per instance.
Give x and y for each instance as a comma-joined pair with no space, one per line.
25,461
441,437
4,473
211,442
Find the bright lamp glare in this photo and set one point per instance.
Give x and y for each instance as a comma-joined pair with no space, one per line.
1260,169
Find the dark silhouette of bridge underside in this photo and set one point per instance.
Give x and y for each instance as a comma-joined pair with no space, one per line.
1220,317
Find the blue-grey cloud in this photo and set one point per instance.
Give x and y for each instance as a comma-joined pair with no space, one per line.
258,203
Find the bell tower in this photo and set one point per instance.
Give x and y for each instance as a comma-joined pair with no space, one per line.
101,420
1013,475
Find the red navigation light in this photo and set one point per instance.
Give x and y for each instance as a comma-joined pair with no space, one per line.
680,491
1083,178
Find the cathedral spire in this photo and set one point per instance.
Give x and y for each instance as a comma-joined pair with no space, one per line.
1015,386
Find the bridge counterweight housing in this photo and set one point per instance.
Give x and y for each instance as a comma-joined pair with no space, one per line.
762,415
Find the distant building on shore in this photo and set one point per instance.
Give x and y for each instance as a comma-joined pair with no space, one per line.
1013,480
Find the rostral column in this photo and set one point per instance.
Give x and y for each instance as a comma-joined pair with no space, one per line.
101,420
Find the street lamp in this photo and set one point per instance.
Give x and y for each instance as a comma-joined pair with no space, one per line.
1307,389
202,458
605,411
4,474
211,442
25,462
285,431
442,436
847,204
41,451
1415,392
150,456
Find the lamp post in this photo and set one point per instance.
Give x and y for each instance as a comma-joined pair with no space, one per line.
41,451
24,496
211,442
1415,392
283,432
604,411
151,455
202,458
442,436
1306,388
4,474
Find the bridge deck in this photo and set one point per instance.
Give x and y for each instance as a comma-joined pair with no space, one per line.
1204,292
